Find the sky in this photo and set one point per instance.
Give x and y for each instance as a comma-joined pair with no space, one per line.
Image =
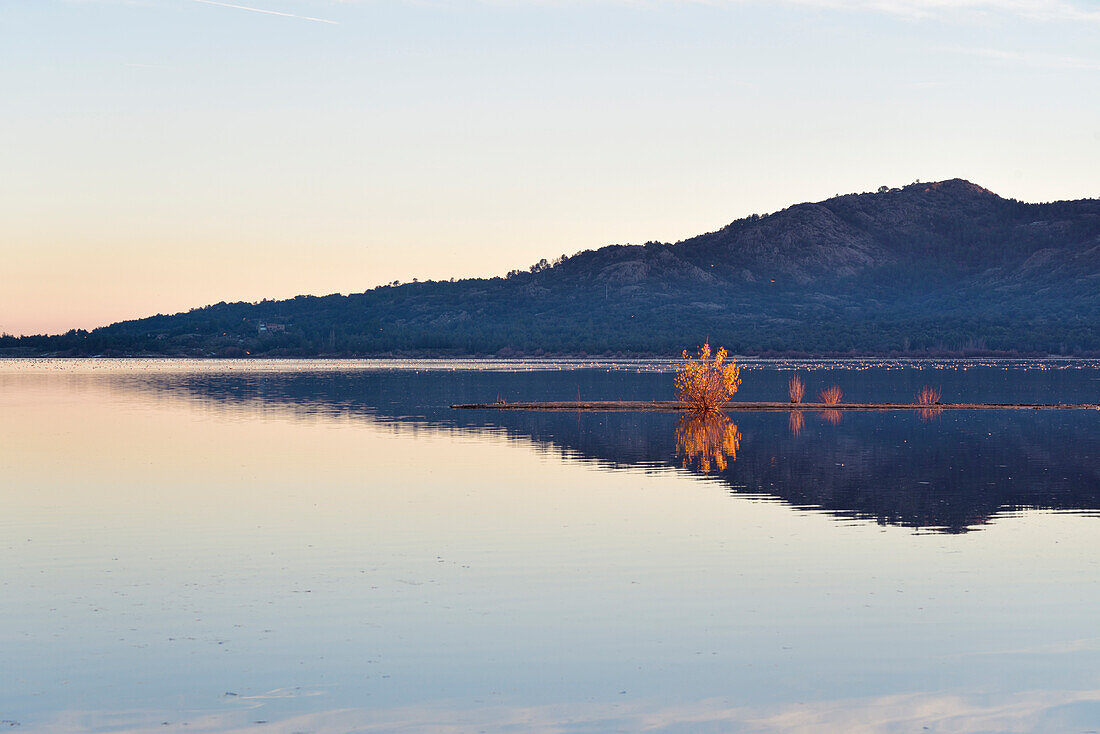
160,155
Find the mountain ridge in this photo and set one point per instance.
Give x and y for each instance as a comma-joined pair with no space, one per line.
944,267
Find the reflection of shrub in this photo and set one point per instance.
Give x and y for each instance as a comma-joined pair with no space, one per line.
928,396
831,395
796,389
832,417
702,437
930,413
796,422
705,383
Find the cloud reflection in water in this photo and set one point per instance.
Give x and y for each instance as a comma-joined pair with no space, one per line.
1026,711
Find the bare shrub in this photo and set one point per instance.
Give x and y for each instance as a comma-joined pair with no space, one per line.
796,389
831,395
929,400
928,396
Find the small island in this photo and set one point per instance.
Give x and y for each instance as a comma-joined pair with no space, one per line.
706,383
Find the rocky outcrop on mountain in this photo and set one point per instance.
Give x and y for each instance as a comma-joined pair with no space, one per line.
802,243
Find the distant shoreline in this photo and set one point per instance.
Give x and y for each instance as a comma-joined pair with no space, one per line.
24,353
675,406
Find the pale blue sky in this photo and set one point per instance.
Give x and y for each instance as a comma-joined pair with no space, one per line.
163,154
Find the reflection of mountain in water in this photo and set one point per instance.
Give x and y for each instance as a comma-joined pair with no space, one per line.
951,472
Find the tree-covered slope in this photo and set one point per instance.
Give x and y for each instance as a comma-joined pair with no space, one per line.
931,268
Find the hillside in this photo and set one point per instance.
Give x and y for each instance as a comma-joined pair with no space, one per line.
931,268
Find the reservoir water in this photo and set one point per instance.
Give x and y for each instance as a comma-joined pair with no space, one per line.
328,546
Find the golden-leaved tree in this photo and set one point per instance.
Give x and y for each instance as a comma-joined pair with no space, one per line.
706,382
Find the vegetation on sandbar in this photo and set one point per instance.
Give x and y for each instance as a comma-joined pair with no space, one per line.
705,383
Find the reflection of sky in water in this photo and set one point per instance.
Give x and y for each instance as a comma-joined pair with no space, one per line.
342,541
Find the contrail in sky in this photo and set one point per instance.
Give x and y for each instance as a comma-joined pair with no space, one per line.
266,12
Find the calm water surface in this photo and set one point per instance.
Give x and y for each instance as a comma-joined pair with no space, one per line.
329,547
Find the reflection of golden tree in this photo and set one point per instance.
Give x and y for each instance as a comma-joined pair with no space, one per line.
705,383
705,437
831,417
796,422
